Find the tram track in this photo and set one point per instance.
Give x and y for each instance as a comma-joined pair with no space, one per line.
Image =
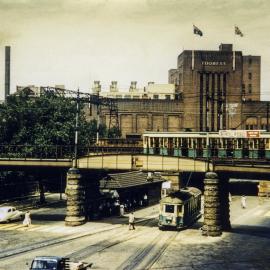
61,241
145,258
106,244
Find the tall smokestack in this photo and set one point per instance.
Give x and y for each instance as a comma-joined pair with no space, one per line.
7,71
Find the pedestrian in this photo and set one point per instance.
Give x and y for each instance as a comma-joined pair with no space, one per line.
243,202
230,197
131,221
122,210
145,199
27,219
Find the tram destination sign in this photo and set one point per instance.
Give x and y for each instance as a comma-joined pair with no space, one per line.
240,133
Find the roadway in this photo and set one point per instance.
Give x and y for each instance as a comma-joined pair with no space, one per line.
110,245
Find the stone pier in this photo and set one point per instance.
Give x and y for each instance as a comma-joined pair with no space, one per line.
212,206
75,193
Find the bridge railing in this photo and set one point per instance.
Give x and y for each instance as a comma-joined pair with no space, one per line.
61,151
36,151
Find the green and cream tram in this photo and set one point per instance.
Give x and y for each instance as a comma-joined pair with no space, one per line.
250,144
180,208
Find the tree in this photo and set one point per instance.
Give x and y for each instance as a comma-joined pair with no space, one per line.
41,123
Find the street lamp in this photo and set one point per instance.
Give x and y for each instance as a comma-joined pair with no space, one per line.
76,131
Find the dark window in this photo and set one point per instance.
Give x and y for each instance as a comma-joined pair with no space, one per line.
249,88
167,97
249,75
250,61
155,96
169,208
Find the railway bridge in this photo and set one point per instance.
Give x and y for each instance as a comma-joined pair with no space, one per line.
122,160
216,182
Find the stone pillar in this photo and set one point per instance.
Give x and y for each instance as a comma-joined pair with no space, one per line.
75,199
212,209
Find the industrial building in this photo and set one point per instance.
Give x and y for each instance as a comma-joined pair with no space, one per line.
212,90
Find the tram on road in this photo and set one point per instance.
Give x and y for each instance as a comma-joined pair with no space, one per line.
180,208
251,144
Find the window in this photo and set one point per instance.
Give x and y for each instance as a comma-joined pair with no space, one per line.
250,61
169,208
168,97
155,97
249,75
249,88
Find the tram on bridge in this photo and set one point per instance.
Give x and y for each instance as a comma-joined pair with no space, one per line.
251,144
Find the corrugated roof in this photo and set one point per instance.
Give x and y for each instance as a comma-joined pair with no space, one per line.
129,179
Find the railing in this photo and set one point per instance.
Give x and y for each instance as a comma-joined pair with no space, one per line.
36,151
61,151
67,152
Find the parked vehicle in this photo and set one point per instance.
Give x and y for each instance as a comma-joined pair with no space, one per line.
180,208
10,213
57,263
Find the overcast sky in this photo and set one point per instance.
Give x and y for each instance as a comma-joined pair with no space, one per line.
74,42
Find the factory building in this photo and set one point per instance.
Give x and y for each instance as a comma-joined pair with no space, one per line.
213,90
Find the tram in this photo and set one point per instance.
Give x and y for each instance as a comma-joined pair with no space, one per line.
251,144
180,208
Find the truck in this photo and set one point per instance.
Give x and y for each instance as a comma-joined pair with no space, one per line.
57,263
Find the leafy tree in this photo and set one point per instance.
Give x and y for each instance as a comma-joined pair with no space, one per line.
43,122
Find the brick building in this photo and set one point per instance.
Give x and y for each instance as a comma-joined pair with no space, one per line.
213,90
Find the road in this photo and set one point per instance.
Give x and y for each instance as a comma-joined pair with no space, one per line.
110,245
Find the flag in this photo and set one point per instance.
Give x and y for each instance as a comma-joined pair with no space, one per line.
237,31
197,31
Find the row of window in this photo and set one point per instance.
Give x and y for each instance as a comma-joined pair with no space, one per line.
249,88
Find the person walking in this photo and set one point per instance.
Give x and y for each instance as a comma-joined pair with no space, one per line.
122,210
230,197
131,221
27,219
145,199
243,202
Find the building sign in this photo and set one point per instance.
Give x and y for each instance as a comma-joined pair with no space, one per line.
239,133
166,185
253,134
231,108
214,63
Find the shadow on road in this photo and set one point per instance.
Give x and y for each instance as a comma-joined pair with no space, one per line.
258,231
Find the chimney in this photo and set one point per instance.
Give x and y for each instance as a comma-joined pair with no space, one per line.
7,71
96,89
133,86
113,86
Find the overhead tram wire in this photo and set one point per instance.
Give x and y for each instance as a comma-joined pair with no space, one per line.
110,103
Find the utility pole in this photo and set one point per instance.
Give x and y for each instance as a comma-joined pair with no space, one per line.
76,131
267,116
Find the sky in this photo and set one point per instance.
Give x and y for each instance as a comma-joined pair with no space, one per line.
74,42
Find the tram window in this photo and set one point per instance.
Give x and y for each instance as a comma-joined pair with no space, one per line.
169,208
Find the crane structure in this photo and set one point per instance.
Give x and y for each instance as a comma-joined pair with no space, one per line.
92,99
